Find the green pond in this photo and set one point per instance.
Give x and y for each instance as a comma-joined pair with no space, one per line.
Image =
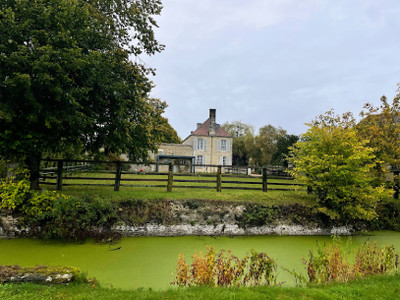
149,262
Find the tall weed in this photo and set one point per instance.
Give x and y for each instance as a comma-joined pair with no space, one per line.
330,263
226,269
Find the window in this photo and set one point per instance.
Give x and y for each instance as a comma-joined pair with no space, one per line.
224,161
223,145
200,160
201,144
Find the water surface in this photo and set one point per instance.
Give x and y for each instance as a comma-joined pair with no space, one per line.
150,261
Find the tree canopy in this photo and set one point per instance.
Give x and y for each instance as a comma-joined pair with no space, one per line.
381,127
332,160
241,134
269,146
66,78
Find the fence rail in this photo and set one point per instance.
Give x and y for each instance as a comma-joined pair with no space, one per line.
66,173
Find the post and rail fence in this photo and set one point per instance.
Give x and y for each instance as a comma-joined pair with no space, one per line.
62,173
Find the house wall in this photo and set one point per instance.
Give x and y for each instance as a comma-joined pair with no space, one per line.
211,151
175,149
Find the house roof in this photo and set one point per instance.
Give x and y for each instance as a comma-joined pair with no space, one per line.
204,130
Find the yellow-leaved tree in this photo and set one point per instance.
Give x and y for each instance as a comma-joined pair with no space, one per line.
337,165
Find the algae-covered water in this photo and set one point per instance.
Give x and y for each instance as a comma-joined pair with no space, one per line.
149,262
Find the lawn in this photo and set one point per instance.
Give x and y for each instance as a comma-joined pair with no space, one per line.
203,186
95,184
377,287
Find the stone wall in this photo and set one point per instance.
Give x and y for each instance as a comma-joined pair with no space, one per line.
195,217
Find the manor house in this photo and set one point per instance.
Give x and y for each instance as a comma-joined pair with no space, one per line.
209,144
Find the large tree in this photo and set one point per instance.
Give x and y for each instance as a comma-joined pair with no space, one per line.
264,145
381,127
282,149
242,133
66,77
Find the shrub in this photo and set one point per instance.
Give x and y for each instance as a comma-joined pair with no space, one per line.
77,219
257,215
329,263
372,260
17,197
225,269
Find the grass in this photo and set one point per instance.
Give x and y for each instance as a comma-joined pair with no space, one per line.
269,198
159,193
161,179
376,287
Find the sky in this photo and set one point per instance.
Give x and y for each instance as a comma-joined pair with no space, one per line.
278,62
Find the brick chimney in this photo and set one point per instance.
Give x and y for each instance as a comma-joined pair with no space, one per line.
213,125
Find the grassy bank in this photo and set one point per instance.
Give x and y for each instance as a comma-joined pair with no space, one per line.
377,287
259,197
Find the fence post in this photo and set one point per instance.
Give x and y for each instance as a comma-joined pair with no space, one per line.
170,176
60,164
396,184
264,180
219,185
117,177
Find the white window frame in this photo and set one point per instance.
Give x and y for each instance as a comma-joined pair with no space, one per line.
224,160
201,144
200,160
223,145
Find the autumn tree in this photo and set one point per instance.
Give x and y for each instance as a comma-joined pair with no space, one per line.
66,78
262,147
242,134
381,127
332,160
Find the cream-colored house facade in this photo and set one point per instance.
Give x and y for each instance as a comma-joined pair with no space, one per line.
209,144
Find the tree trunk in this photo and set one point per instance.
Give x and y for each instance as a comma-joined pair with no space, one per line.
33,164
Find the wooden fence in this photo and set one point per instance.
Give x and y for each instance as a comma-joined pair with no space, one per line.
69,172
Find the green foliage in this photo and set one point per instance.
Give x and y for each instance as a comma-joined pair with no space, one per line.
329,263
140,212
372,260
225,269
242,134
262,147
388,216
332,160
258,215
162,130
381,127
268,147
3,168
17,197
40,272
77,219
67,80
374,287
282,150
